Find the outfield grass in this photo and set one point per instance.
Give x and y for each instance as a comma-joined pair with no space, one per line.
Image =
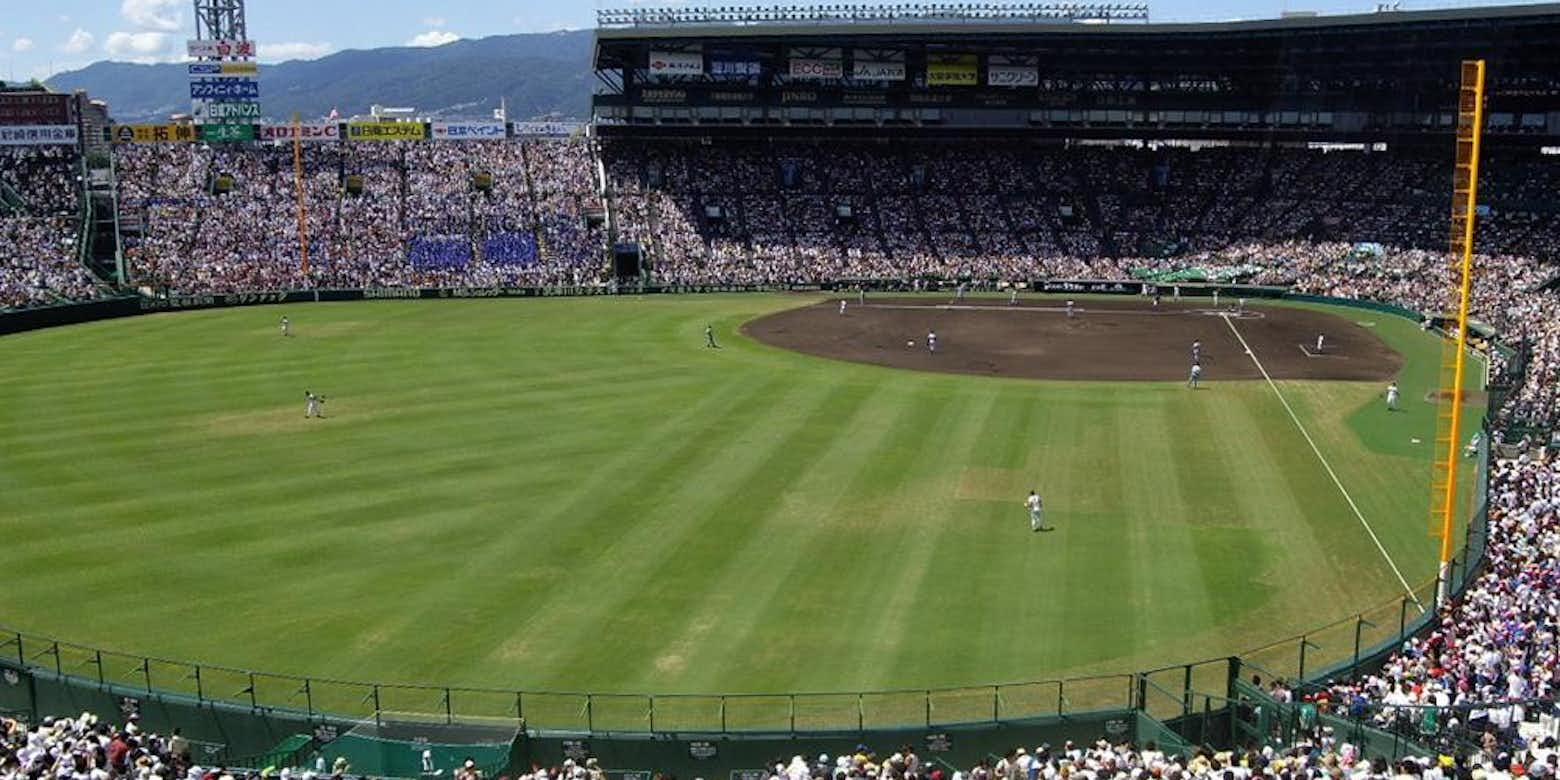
575,494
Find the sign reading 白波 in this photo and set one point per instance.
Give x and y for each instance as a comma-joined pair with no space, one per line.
676,63
468,131
38,135
220,49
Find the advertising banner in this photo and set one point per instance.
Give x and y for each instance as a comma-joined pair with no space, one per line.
386,131
306,133
676,63
956,70
468,131
153,134
227,132
224,110
877,71
240,88
1012,76
737,68
223,70
210,49
38,135
35,109
816,70
548,128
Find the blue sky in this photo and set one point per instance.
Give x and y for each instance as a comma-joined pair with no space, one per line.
39,38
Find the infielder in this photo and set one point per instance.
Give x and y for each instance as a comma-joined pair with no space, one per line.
1196,375
931,341
1216,298
286,326
1036,511
1392,397
1069,308
315,406
842,307
1013,296
861,295
1320,338
958,293
1197,351
709,338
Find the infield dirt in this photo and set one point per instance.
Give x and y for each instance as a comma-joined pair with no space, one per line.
1104,339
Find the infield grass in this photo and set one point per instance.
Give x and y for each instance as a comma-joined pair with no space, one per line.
575,494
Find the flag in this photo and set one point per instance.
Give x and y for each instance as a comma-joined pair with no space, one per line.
334,114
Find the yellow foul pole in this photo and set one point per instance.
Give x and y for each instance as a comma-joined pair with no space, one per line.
1470,127
303,209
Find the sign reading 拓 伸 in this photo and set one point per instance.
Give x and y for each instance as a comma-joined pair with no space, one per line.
242,89
468,131
38,135
221,49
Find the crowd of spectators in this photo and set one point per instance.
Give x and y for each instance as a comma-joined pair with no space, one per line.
1314,755
40,228
83,748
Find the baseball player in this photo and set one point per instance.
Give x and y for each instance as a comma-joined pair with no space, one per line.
286,326
1240,305
1195,377
709,338
1392,397
1216,298
1036,511
1320,338
1069,308
1473,444
842,307
315,406
861,295
931,341
1013,296
1197,351
958,293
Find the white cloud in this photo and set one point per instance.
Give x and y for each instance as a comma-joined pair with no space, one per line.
433,21
79,41
159,15
22,44
138,47
433,38
292,50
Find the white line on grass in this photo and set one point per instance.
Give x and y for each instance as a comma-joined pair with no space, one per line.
1328,466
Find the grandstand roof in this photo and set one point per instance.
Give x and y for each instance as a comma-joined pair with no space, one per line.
1493,14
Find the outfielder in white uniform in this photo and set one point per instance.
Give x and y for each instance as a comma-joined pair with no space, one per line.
1196,375
315,407
1036,511
286,326
1392,397
842,307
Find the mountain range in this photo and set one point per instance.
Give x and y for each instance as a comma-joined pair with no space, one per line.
538,75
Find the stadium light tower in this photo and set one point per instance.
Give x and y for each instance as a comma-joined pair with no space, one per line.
220,20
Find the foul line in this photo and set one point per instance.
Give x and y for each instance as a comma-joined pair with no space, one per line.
1328,466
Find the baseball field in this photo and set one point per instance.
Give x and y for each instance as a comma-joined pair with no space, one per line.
579,494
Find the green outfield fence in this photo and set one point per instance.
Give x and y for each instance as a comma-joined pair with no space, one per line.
248,712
